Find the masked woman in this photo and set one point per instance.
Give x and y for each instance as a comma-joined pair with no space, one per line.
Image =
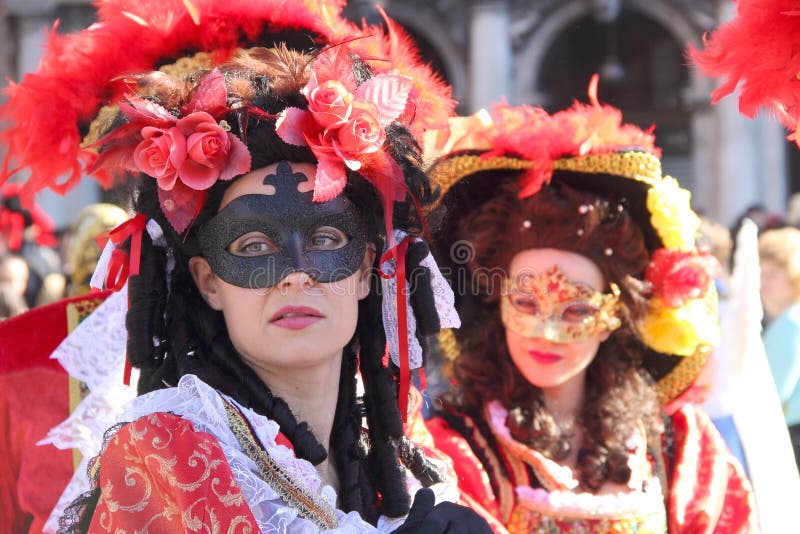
267,184
587,310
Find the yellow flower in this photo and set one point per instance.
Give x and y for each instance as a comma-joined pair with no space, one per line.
681,331
672,215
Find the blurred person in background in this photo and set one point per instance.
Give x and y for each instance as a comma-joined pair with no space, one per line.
722,374
83,243
779,252
30,233
13,281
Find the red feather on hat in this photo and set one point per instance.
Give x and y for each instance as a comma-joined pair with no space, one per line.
583,129
758,52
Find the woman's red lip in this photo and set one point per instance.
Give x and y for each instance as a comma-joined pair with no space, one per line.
295,312
544,357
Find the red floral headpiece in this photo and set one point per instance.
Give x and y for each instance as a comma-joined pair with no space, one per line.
80,73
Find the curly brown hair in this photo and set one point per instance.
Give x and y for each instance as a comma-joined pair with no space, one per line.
620,394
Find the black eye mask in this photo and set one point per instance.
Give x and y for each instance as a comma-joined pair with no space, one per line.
289,218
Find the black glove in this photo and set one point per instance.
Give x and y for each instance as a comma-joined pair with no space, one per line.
425,518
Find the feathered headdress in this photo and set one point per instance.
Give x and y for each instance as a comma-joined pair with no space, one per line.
52,110
592,148
758,52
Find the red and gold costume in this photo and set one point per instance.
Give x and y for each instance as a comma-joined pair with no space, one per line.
707,490
682,480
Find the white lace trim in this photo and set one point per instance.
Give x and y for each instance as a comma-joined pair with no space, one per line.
93,353
203,406
444,301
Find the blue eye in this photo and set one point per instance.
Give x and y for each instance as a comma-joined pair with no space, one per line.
327,238
252,244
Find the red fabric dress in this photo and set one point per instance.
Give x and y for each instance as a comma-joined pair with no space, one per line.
34,397
708,491
161,475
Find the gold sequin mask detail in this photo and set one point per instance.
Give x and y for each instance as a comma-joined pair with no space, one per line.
552,307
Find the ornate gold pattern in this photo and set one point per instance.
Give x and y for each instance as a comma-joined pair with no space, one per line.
682,375
293,492
448,345
534,306
637,165
450,171
100,125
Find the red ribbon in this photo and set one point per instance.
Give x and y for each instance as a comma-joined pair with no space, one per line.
399,253
121,265
12,225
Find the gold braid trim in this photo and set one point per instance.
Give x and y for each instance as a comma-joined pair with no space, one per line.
293,492
682,375
640,166
450,171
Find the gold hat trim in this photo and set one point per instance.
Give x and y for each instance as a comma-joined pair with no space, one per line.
636,165
450,171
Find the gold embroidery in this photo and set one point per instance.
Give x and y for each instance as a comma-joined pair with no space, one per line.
293,492
680,377
450,171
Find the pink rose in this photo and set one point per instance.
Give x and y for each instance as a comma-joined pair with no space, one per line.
212,153
361,134
330,103
161,154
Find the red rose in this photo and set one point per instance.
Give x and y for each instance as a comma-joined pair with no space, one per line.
160,154
680,276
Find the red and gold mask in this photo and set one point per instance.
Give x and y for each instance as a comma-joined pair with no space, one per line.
553,307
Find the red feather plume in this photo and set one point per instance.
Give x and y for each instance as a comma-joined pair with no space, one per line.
532,134
758,52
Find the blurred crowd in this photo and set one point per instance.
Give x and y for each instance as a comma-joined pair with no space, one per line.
38,263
